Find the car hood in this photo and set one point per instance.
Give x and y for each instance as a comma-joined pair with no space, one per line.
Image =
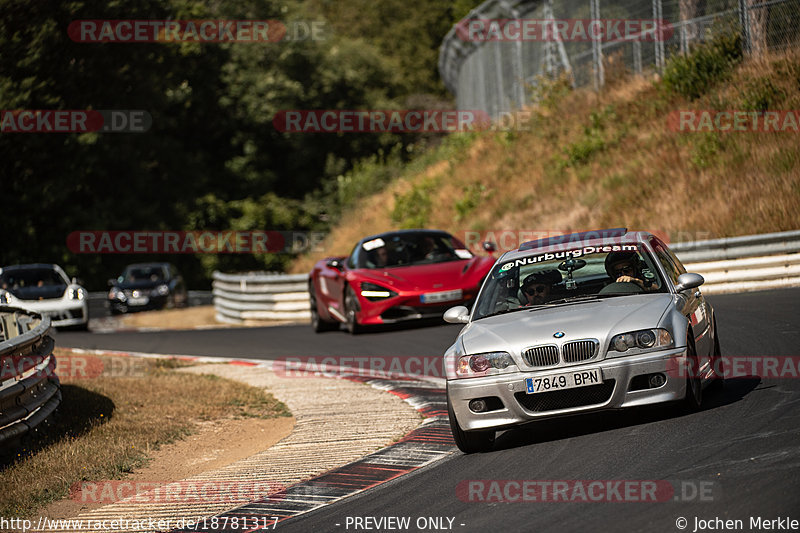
48,292
433,277
598,319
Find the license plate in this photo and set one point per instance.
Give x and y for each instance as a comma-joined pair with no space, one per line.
446,296
565,380
144,300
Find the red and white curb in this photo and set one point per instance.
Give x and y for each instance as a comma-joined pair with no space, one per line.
431,441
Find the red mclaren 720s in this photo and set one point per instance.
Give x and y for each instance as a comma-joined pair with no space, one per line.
394,277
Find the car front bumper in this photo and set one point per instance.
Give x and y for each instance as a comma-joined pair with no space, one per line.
408,306
62,313
510,389
125,306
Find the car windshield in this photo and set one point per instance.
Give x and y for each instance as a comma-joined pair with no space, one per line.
25,281
543,279
144,273
409,248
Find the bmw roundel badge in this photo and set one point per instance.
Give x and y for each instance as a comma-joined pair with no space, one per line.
558,334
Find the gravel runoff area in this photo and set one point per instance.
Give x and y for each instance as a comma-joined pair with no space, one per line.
337,421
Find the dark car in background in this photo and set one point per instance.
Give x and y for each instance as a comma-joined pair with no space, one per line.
144,286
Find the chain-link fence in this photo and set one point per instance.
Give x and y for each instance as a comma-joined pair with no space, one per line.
493,59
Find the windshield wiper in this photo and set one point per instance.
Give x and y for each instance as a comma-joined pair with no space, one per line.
523,308
570,299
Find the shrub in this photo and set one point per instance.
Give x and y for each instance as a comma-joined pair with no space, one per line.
691,75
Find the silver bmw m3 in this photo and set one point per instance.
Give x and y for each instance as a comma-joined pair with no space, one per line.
597,320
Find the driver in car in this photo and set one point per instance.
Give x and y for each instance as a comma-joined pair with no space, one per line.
626,267
537,286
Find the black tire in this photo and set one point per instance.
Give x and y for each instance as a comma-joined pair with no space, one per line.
694,384
469,441
350,308
716,361
317,324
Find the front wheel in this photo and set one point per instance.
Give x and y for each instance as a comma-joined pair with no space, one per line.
317,324
717,362
469,441
694,384
350,309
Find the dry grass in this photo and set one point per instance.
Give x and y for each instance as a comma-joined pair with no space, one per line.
107,426
624,167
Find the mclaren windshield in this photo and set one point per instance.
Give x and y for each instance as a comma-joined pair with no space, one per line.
577,274
409,248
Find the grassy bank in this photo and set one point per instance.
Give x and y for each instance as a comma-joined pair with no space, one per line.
612,159
109,423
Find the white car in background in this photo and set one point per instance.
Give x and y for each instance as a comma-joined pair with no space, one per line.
45,289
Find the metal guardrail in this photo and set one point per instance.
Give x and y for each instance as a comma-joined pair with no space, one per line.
29,389
259,296
747,263
733,264
738,247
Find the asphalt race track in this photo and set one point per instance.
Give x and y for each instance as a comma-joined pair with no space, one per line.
738,458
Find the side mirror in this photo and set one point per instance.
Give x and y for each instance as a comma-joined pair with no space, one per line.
457,315
489,247
111,282
335,263
688,281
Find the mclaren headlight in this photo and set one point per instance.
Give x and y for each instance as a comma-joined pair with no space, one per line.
5,298
643,340
374,293
162,290
484,364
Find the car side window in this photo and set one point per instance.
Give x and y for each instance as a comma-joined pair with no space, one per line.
676,261
354,261
664,258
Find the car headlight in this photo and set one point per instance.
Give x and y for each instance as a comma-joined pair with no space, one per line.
484,364
373,292
5,298
77,293
643,340
163,290
115,293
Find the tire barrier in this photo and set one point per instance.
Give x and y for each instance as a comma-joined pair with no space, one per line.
29,389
